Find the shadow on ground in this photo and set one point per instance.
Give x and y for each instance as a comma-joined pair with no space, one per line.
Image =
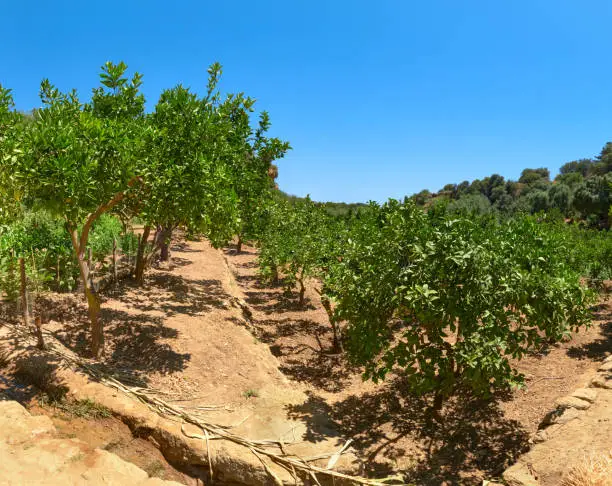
600,348
172,295
472,438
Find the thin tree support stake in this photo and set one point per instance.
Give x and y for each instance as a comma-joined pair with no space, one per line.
138,248
57,272
39,335
90,262
115,261
24,293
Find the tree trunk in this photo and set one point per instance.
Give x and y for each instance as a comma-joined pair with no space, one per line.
164,244
140,257
337,346
25,311
302,290
79,242
93,300
40,341
239,245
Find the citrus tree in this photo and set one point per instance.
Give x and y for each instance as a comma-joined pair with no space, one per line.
294,243
10,132
303,242
449,302
253,171
77,161
205,165
186,181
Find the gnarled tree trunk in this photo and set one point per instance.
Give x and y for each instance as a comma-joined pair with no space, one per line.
337,346
79,243
165,238
92,297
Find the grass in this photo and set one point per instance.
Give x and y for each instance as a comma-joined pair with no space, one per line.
155,469
113,445
591,471
87,409
77,457
251,393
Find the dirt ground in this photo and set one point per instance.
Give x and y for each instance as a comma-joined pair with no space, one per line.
477,439
181,334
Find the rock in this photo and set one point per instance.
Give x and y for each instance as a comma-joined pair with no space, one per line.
18,426
30,454
608,359
559,416
601,381
606,366
572,402
541,436
585,394
519,475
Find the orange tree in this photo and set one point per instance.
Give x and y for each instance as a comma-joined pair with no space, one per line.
77,161
206,168
449,302
303,242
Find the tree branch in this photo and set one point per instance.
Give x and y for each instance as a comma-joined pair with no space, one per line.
116,199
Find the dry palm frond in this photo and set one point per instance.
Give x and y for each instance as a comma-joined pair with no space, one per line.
593,470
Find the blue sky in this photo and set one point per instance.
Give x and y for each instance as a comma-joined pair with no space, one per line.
379,99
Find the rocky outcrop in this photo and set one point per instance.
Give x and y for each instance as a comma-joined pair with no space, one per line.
578,427
31,453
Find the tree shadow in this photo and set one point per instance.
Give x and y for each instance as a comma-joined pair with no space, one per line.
178,262
472,439
134,344
231,251
276,302
30,372
327,372
180,296
599,348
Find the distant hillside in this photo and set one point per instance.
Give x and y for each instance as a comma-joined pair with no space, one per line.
338,209
582,190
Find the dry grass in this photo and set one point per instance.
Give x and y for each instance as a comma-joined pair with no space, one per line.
591,471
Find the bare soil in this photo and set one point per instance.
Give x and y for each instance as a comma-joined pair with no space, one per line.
182,335
477,439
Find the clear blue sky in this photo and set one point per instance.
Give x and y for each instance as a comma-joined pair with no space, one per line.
378,98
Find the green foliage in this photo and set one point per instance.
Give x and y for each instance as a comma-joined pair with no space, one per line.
207,169
106,229
587,251
530,176
296,241
593,198
580,190
10,122
72,161
560,196
467,295
472,204
41,239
